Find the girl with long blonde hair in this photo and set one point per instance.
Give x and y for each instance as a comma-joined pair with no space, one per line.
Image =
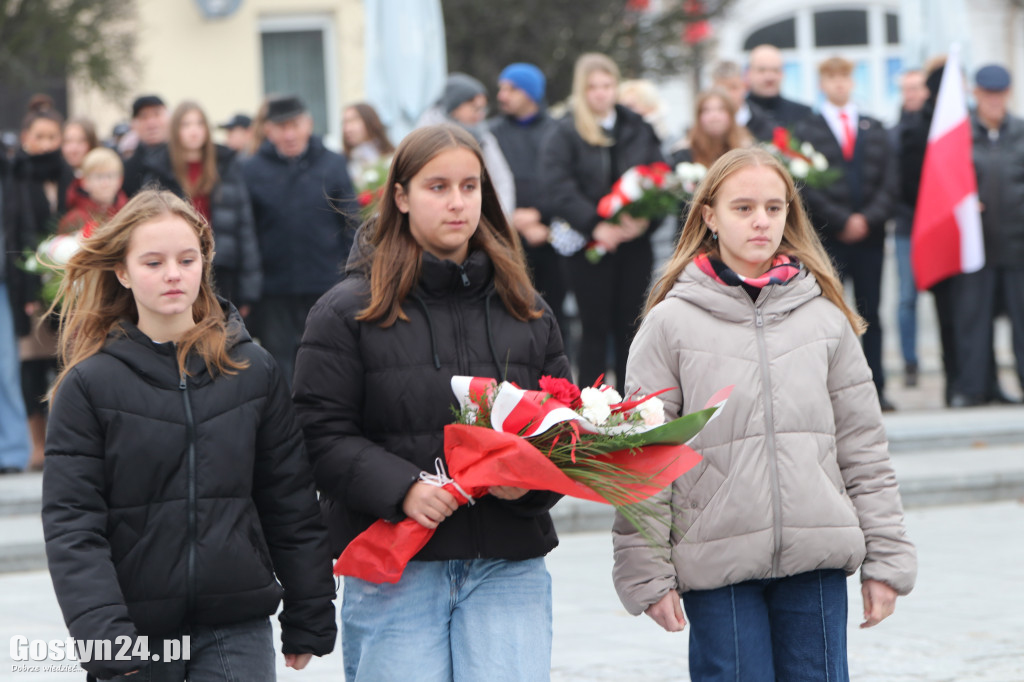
796,490
177,497
583,157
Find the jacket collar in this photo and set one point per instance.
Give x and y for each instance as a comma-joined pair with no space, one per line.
156,362
439,278
733,304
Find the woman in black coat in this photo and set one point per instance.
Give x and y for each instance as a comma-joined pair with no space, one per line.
583,157
210,176
437,287
177,496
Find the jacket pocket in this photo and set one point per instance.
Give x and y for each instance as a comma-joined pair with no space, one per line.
122,535
689,505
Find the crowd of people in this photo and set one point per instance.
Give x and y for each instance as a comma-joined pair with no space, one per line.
192,250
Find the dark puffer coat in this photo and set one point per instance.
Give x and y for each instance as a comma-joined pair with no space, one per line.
374,402
171,501
237,261
578,174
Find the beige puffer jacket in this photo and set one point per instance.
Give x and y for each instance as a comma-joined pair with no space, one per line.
796,474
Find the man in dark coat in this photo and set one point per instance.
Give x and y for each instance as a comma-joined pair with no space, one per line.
520,132
764,81
850,213
153,126
304,205
998,143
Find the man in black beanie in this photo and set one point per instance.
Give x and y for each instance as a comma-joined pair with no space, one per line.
304,208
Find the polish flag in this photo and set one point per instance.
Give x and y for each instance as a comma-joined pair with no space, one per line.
946,239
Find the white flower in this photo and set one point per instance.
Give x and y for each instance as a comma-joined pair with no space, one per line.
807,149
799,168
610,395
819,162
58,249
370,176
595,406
691,172
652,411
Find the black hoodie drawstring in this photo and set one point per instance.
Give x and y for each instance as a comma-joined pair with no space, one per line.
430,326
490,334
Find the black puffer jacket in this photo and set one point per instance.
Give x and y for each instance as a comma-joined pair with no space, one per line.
237,261
999,164
577,174
374,402
868,184
168,503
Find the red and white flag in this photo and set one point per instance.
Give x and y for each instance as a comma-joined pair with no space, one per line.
946,239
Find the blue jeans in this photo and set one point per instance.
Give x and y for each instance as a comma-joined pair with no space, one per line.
788,629
14,440
240,652
445,621
906,308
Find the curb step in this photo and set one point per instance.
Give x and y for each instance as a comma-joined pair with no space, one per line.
941,458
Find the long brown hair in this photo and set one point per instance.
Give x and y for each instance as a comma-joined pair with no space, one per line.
798,237
93,303
587,125
394,257
706,149
208,177
375,130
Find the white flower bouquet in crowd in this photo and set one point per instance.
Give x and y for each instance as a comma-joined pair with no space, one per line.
805,164
48,261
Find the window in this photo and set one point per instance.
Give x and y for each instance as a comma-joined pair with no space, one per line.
840,28
781,34
892,29
299,59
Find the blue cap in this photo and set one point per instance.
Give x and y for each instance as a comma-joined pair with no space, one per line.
527,78
993,78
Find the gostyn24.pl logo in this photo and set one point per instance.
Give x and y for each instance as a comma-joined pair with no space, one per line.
122,648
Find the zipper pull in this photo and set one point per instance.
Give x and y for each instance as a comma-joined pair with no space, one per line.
758,321
465,278
182,385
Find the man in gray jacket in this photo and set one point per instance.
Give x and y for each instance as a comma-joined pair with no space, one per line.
999,163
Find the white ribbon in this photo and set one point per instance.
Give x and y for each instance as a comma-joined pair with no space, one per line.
441,479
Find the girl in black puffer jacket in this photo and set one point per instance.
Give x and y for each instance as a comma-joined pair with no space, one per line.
582,158
177,497
437,287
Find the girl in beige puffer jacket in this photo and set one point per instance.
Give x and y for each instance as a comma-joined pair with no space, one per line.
796,490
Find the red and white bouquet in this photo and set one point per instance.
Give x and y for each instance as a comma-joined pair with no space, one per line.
805,164
591,444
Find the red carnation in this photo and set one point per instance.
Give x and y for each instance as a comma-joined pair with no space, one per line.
365,198
562,390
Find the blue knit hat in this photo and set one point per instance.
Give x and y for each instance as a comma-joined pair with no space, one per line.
527,78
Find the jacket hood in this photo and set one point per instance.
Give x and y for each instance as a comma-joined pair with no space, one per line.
731,303
437,277
156,363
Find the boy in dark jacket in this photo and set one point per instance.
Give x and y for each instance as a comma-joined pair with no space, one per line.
850,213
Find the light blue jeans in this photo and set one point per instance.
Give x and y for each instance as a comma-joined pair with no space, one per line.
14,441
450,621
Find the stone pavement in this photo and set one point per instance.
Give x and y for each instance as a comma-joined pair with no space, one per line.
963,623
